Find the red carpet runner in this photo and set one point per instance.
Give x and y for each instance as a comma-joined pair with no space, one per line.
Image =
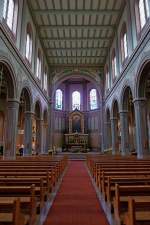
76,202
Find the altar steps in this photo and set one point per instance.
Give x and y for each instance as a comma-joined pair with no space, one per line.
78,156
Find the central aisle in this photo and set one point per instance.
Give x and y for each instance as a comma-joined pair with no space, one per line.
76,202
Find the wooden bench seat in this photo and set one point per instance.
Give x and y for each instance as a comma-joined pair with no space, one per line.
28,202
31,180
121,198
138,211
116,174
10,213
118,178
108,184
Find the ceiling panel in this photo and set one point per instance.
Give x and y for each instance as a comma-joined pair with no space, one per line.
76,31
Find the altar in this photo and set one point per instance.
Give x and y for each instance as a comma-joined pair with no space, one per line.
76,140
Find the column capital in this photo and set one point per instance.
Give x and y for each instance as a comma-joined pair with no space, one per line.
123,111
40,120
113,118
13,100
139,100
29,113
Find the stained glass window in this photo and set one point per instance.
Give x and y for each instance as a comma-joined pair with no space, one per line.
93,99
58,99
38,66
143,11
114,65
10,14
29,43
76,100
107,80
45,81
124,43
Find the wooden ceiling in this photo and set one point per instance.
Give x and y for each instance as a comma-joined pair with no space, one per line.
76,33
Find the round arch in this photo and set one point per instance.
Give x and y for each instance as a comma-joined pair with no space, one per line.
115,125
114,107
9,77
142,104
38,109
70,75
142,66
128,117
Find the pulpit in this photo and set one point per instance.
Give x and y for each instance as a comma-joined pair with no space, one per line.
76,140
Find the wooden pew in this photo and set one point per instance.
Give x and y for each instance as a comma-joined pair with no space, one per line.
109,186
120,202
132,176
102,178
26,194
138,212
10,213
41,188
17,177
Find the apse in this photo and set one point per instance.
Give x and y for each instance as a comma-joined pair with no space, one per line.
77,109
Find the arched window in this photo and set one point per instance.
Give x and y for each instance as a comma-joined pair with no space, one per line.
142,9
29,43
45,80
59,99
93,99
107,84
39,65
76,100
124,43
114,65
10,13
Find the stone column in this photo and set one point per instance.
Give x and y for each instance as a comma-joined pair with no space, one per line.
41,149
38,136
142,145
28,133
51,125
45,138
101,125
11,129
114,135
125,149
107,135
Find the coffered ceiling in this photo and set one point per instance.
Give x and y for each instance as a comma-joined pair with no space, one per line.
76,33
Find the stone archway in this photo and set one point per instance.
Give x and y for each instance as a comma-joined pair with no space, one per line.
142,111
37,128
108,137
45,132
24,134
115,129
9,109
127,115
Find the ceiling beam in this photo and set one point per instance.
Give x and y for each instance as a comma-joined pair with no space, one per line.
75,38
76,12
69,26
78,48
77,57
77,66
